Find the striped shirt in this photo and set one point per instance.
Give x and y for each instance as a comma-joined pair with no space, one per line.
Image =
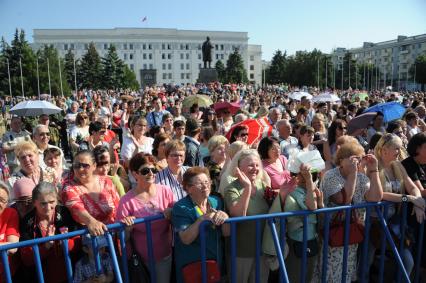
165,177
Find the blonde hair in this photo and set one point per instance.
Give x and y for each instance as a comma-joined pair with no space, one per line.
346,139
321,118
26,146
389,140
216,141
174,145
235,147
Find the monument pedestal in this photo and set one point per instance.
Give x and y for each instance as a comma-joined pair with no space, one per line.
207,75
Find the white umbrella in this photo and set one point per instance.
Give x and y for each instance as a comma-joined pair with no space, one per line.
326,97
34,108
297,95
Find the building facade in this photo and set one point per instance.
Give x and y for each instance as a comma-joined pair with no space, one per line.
393,58
157,55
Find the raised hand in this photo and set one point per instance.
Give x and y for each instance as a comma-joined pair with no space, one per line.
244,180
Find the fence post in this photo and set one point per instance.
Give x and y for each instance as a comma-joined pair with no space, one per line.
37,261
150,252
365,245
68,264
202,231
278,249
305,247
419,252
6,266
258,247
233,252
115,266
325,247
125,271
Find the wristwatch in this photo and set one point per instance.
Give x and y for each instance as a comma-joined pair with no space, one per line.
404,198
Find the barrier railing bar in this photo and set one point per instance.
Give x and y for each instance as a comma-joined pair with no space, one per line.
305,247
6,266
282,240
419,252
115,265
67,258
202,231
233,252
325,247
382,247
152,272
280,255
348,214
365,245
393,247
123,247
95,250
37,261
402,224
258,247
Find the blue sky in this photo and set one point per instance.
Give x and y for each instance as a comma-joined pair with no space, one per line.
281,24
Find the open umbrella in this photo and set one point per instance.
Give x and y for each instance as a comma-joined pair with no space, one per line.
201,100
34,108
360,95
233,107
360,122
326,97
391,110
257,128
297,95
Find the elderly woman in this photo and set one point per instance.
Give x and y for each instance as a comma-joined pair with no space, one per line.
136,141
92,199
397,187
9,226
218,146
28,156
273,162
47,218
344,185
115,172
245,197
187,215
158,150
80,132
171,176
41,137
149,199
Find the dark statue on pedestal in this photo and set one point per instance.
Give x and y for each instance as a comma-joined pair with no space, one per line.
207,52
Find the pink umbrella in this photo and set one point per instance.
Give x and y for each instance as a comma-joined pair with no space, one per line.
257,129
233,107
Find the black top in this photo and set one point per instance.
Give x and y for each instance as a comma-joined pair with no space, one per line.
415,171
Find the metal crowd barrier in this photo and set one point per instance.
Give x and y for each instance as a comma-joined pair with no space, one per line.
117,230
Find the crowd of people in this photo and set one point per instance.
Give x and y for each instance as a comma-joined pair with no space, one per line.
113,157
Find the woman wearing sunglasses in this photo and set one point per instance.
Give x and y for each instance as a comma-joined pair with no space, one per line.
92,199
147,199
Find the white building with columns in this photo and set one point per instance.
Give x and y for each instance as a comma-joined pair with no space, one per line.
155,54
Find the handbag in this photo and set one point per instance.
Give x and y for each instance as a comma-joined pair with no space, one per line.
192,272
312,248
337,230
138,271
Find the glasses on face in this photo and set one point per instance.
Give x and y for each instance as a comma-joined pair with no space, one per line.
343,128
80,165
146,170
24,202
202,185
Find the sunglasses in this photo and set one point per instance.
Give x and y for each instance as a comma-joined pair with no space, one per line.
343,128
146,170
81,165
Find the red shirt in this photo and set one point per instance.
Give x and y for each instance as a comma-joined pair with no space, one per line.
9,225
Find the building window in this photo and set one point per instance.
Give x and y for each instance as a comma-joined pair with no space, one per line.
144,56
222,56
86,46
72,46
251,57
125,46
251,67
163,56
221,47
149,46
125,56
170,76
217,56
187,56
199,56
164,76
169,46
216,47
187,66
187,46
182,76
164,66
188,76
131,46
169,56
170,66
131,56
163,46
199,66
144,66
181,46
150,56
181,56
132,67
182,66
65,46
151,67
199,47
105,46
144,46
251,76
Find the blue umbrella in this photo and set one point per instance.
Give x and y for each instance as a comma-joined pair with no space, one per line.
391,110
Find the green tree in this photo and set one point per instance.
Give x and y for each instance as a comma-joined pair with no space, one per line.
235,71
276,71
220,68
129,80
69,69
418,69
113,71
91,69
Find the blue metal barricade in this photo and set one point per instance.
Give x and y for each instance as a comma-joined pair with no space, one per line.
117,231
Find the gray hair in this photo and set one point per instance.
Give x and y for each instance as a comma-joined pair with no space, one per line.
38,127
240,117
282,122
44,188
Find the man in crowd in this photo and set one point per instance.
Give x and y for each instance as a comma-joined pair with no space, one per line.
155,117
274,115
284,135
41,137
192,154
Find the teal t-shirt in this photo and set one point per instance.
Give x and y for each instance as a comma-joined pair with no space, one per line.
183,216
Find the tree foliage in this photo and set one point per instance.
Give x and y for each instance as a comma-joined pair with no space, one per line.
90,70
112,69
418,70
220,68
235,71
